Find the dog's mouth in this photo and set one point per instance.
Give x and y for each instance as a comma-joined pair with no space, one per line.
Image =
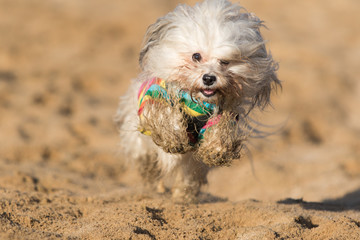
208,92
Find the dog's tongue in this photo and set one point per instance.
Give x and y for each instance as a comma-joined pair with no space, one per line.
208,91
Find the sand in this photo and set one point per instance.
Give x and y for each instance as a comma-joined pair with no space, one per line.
63,65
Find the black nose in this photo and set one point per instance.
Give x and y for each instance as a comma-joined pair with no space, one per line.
209,79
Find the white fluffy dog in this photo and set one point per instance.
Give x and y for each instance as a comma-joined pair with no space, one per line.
210,57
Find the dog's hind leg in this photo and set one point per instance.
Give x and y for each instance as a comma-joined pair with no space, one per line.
149,170
190,176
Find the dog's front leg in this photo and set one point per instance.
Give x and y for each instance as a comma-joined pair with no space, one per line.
167,126
223,142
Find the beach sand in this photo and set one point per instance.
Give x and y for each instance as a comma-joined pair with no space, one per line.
63,66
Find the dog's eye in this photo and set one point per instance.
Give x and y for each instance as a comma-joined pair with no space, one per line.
196,57
224,62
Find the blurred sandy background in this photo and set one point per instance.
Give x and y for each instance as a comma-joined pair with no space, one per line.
63,65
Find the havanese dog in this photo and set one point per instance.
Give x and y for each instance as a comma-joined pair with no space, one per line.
203,70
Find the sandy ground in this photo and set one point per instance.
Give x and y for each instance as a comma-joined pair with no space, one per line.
64,63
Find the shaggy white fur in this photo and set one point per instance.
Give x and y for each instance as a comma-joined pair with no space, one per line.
215,52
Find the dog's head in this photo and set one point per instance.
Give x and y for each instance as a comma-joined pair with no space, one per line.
214,51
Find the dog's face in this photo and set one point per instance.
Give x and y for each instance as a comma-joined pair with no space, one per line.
212,50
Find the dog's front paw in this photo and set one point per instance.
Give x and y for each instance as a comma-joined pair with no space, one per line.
167,127
222,143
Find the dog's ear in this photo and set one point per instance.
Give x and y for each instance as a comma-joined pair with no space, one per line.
153,36
271,82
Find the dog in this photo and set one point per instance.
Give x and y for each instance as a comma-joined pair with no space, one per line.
203,70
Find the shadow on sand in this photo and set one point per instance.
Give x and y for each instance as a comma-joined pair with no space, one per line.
350,201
